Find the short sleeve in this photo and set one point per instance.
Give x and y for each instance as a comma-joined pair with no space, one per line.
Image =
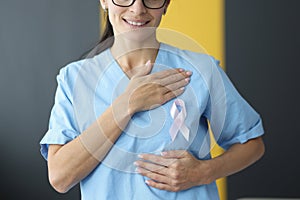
231,117
62,124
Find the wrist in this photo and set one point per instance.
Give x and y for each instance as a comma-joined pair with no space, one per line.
215,165
207,171
123,105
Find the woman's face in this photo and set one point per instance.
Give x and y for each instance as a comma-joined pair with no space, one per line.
135,17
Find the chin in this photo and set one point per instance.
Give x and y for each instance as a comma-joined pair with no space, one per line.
140,34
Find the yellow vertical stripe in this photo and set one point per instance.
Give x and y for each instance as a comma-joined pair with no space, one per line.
202,20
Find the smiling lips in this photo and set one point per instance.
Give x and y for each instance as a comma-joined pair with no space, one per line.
135,23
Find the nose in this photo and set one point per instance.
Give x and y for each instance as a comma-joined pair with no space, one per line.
138,7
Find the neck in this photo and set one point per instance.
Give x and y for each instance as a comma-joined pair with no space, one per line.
132,53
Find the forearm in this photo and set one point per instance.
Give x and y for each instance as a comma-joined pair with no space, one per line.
236,158
70,163
182,170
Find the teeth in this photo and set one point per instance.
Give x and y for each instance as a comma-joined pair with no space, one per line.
136,23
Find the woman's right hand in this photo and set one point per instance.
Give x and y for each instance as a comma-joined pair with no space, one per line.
148,91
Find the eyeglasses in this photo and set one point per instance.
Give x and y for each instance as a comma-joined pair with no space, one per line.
151,4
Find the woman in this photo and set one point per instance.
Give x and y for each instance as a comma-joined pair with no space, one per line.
131,123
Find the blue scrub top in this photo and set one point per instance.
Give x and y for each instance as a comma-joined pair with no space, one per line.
88,87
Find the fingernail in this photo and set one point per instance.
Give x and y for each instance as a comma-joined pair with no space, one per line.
136,164
181,70
140,156
183,88
147,182
148,63
187,80
163,153
188,73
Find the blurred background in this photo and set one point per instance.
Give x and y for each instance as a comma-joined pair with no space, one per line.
38,37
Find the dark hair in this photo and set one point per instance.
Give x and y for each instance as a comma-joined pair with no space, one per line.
108,30
106,40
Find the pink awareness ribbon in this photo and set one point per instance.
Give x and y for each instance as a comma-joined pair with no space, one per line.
178,115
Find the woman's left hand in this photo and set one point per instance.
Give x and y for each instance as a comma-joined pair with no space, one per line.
174,170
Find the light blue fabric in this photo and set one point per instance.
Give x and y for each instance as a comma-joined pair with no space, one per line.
86,88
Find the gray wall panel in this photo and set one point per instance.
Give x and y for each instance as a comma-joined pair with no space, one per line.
37,38
262,38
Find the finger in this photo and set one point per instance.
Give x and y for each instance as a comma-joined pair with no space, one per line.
175,154
160,160
154,176
177,85
172,94
162,186
166,95
174,77
168,80
171,173
167,73
151,167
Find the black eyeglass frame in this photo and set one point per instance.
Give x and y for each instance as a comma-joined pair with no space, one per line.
143,4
